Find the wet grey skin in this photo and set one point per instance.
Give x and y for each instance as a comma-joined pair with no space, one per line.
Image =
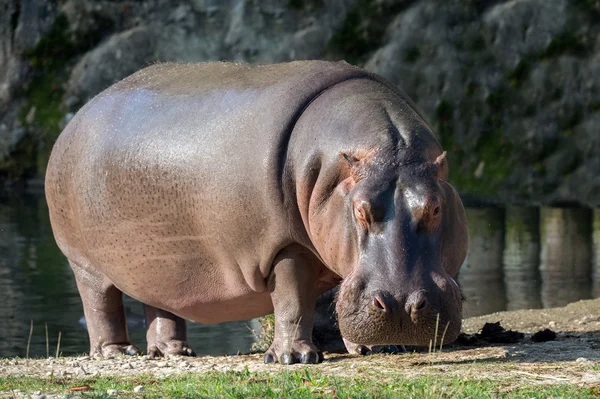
216,192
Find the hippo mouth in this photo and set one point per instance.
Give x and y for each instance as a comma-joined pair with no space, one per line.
375,317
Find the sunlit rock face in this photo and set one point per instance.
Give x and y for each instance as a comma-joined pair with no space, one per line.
510,87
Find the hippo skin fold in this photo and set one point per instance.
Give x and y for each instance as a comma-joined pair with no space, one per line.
214,192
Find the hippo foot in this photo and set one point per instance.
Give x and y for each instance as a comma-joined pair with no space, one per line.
172,348
299,352
118,349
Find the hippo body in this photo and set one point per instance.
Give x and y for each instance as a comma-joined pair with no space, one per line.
216,192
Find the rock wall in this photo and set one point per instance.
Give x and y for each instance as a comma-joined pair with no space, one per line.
510,87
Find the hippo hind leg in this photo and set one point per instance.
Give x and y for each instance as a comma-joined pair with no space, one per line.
166,333
104,313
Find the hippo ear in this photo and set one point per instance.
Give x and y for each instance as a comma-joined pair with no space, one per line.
441,167
454,232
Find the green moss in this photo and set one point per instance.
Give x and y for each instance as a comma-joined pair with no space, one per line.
412,54
496,152
478,44
529,111
44,96
566,43
471,40
471,89
363,30
492,150
50,59
22,160
444,114
60,45
517,76
574,118
497,99
301,5
444,111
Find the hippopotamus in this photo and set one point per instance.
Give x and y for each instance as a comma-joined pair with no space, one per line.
215,192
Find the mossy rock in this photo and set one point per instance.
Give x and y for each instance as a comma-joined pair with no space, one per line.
363,30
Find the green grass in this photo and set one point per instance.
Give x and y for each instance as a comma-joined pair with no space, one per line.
297,383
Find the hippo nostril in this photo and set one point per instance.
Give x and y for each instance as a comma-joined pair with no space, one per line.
417,304
421,304
379,303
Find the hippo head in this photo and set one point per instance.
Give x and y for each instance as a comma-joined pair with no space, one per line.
407,227
382,215
398,244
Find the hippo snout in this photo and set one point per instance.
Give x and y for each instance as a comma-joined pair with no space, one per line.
382,318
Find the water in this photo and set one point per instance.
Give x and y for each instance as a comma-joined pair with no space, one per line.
528,258
518,258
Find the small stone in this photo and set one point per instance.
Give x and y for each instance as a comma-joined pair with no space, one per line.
84,358
595,378
552,324
40,396
138,389
161,364
112,392
581,360
479,170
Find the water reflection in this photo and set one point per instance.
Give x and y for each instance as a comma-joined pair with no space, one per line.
518,258
565,260
527,258
481,275
596,254
521,258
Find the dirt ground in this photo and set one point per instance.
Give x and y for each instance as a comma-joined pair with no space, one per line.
573,357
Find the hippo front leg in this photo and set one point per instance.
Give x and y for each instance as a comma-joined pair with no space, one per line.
292,287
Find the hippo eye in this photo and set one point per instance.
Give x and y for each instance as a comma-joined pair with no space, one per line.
361,209
431,218
359,213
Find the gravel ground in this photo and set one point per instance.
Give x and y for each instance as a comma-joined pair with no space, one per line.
574,357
